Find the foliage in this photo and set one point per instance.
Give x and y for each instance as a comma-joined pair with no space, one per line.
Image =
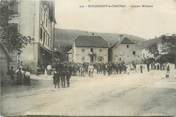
154,50
9,34
167,51
166,58
61,53
65,48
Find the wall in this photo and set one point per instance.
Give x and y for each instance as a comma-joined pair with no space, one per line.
29,18
70,57
29,26
46,27
30,55
79,54
122,53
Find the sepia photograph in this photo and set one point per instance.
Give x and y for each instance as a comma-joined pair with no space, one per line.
77,58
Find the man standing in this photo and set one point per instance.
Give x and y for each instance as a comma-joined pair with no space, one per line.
55,79
49,68
19,76
168,71
148,67
58,74
68,76
141,68
91,70
63,76
11,73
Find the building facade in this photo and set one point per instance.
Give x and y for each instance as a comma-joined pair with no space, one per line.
89,49
125,51
36,19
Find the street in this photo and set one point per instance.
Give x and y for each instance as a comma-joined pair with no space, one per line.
134,94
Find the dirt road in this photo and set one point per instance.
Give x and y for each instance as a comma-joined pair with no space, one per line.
134,94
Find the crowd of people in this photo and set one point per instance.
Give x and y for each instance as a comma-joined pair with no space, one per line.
99,68
62,74
20,76
113,68
64,71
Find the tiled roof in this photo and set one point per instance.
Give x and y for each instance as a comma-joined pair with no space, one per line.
91,41
124,40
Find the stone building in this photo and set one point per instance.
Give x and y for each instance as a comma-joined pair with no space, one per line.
126,51
36,19
89,49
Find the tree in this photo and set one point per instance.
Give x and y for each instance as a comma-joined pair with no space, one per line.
168,50
9,34
170,47
153,49
63,51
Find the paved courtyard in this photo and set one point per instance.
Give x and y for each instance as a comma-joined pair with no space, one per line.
134,94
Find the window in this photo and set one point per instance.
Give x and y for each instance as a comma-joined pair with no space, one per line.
91,49
41,33
83,50
46,22
127,46
43,37
13,6
48,41
100,58
44,16
83,58
100,50
134,53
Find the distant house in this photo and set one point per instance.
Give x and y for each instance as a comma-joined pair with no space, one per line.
125,51
4,61
89,49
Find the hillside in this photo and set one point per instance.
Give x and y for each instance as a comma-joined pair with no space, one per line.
148,43
67,37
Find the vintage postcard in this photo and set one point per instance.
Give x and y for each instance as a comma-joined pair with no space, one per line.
87,58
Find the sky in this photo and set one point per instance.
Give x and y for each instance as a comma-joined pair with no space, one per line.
146,22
